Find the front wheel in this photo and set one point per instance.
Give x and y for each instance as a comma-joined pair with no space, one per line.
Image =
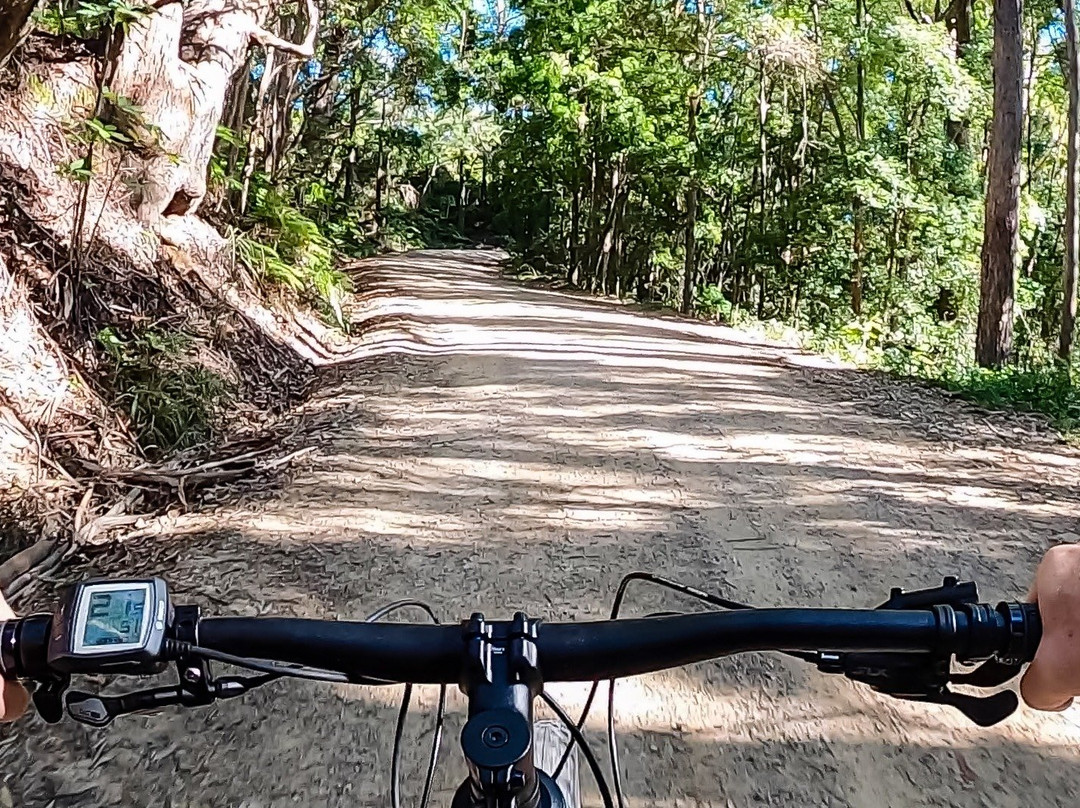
550,739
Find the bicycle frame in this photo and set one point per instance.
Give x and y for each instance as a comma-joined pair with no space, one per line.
904,648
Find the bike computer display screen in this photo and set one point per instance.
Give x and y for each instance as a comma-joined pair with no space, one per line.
111,617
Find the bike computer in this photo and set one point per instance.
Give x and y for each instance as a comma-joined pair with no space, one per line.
110,625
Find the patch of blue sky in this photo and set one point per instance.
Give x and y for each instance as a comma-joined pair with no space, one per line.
493,15
384,50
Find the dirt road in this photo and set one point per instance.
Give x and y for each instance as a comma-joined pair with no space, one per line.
510,448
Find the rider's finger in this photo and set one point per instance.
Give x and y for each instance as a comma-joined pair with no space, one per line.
14,700
1040,689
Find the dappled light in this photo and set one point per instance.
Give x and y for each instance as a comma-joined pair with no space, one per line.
499,456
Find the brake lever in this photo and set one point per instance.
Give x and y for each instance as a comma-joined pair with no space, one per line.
925,677
97,710
983,710
989,674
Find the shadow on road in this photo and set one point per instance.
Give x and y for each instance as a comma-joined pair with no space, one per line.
511,448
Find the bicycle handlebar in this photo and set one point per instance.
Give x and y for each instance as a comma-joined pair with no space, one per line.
432,654
428,654
903,648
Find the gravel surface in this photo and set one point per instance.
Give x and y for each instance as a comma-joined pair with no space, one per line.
505,447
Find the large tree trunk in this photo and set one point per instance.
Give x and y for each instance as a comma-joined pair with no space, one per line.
1072,225
177,64
993,340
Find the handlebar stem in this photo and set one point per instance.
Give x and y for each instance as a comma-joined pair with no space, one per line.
501,677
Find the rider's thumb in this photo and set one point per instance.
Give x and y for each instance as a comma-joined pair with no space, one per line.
1041,685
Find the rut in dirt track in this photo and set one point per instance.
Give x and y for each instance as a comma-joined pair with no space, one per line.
506,447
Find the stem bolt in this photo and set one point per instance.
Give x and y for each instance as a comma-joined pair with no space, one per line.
495,736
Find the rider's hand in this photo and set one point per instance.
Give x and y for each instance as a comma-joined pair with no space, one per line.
13,697
1053,679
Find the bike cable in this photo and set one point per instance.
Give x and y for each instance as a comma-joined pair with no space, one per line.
590,756
616,607
403,711
276,669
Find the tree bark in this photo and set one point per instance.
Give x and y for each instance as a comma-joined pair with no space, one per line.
993,339
1072,225
14,19
177,64
958,21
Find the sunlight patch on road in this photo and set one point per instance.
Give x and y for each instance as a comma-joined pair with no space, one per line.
675,703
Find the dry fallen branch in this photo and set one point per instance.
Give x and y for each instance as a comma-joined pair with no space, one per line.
23,561
21,583
184,479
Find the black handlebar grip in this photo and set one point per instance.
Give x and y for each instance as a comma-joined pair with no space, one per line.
9,649
1024,625
24,644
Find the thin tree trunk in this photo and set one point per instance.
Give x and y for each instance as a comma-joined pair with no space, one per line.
462,194
705,28
351,156
379,167
690,264
575,234
857,211
257,138
763,175
857,245
1072,230
484,182
236,110
958,21
993,339
607,236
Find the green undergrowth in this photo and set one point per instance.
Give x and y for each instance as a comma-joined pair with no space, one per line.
1047,389
286,247
172,401
1037,383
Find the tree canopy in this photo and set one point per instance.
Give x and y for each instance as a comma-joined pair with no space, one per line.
821,165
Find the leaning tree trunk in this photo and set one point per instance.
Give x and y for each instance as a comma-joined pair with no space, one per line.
177,65
1072,225
14,20
993,339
